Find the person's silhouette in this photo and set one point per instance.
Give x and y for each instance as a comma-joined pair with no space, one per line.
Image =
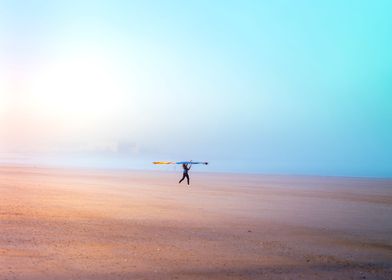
186,168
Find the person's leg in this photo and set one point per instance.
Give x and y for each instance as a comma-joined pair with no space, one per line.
187,178
182,179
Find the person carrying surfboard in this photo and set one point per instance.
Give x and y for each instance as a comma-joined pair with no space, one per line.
186,167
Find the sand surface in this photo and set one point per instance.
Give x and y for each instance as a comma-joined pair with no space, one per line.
97,224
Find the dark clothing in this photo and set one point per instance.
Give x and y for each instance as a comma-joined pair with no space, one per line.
185,175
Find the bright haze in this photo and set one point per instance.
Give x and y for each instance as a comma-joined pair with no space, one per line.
289,87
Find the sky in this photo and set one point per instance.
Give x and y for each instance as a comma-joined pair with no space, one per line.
282,87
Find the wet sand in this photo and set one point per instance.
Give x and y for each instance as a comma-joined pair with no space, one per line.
102,224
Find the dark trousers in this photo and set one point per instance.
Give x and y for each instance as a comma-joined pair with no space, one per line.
185,175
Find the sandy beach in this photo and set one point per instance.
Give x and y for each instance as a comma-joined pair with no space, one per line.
103,224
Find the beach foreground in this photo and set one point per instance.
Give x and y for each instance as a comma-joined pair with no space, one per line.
96,224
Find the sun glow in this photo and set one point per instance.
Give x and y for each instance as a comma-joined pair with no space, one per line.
81,89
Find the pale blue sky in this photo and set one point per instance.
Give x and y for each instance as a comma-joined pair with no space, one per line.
299,87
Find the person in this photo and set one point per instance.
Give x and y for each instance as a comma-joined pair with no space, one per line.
186,168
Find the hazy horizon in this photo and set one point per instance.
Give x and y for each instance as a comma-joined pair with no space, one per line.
285,88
